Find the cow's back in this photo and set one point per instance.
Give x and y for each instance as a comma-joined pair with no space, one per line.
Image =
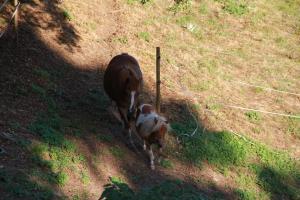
116,74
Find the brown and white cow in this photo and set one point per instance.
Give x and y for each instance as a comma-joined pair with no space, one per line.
152,128
123,82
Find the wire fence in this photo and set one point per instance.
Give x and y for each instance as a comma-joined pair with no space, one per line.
189,96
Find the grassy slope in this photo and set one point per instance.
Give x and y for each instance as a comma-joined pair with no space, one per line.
205,45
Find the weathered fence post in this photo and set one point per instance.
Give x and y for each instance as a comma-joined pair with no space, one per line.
158,79
16,20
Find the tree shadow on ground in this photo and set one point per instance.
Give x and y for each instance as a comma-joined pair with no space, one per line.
46,95
276,183
49,15
170,189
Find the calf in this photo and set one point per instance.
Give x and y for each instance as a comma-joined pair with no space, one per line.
152,128
123,82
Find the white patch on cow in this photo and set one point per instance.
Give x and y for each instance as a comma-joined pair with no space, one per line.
132,100
143,118
151,155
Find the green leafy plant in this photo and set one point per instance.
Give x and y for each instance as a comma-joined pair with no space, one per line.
234,7
67,14
181,5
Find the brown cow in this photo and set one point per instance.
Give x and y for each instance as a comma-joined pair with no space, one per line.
123,83
152,129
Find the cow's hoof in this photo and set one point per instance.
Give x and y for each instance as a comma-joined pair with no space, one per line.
152,167
159,160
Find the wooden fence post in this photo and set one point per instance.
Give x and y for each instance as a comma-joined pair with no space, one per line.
16,21
158,79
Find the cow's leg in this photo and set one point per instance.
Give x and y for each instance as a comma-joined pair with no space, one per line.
160,154
116,114
130,136
151,156
126,126
144,146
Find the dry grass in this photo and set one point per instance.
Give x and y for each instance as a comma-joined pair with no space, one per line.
260,47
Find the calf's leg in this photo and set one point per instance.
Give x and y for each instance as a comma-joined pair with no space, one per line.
151,156
160,154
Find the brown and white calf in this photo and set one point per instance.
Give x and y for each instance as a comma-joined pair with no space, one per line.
123,82
152,128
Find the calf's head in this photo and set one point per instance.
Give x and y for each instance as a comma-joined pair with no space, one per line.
158,135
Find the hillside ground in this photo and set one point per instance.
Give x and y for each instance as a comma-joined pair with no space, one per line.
58,140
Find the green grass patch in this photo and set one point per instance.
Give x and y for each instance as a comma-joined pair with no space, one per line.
76,132
234,7
84,177
293,127
41,73
166,163
55,153
117,152
258,90
208,66
21,186
289,7
275,183
143,2
184,20
38,90
67,15
281,41
245,194
14,125
253,116
144,36
49,129
274,172
203,9
213,106
202,86
181,6
222,149
247,186
122,39
62,178
173,189
105,137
